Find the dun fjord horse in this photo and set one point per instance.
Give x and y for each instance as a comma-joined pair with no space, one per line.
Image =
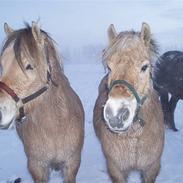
49,115
128,119
168,79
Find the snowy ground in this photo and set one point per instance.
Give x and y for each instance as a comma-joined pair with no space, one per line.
13,160
81,44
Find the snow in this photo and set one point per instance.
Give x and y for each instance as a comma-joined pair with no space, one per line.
80,29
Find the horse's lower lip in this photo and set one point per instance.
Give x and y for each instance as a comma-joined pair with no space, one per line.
115,125
117,130
2,127
5,127
121,130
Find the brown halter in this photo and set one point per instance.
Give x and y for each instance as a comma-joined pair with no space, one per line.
20,101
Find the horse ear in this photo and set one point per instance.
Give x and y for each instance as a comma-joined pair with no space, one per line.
36,32
7,29
145,33
112,34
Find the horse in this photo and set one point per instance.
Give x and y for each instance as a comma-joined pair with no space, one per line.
127,116
36,94
168,79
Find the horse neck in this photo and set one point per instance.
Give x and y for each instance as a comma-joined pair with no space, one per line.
151,106
44,105
56,69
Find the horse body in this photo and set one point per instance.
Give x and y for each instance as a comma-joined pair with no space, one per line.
140,147
168,79
52,130
47,140
137,147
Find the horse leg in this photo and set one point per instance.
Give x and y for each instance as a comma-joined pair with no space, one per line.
165,107
71,168
172,103
117,176
149,175
39,171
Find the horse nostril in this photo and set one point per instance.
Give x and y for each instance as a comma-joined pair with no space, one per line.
116,122
124,114
108,113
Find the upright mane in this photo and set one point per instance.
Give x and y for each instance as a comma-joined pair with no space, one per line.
24,43
125,41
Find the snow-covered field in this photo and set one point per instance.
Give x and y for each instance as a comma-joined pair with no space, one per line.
79,27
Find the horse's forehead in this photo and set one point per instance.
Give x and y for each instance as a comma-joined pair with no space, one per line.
128,58
7,59
127,68
128,47
135,57
130,40
8,54
131,46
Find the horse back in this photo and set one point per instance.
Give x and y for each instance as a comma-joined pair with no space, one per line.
168,73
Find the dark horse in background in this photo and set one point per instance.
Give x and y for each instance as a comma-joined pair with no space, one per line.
168,79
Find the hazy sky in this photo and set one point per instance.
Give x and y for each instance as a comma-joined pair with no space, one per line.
76,23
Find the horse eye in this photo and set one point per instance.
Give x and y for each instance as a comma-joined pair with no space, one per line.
144,68
29,67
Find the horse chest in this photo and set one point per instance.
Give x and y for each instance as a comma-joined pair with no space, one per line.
124,151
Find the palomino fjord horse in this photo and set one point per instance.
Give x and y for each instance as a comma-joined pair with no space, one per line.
168,79
128,118
35,92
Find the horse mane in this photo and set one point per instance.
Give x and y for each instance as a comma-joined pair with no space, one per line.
23,41
121,42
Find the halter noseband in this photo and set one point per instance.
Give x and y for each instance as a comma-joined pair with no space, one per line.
20,102
140,101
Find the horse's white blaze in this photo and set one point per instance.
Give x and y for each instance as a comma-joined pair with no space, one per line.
8,110
115,105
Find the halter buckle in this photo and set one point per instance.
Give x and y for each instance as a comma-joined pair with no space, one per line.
19,104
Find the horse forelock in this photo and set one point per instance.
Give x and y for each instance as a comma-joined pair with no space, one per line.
24,44
128,41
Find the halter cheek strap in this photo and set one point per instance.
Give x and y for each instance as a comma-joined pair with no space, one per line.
140,101
20,102
9,91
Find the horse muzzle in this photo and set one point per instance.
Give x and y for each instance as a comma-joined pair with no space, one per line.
8,111
119,114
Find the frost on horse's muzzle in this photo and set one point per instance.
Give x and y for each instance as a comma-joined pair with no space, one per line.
117,120
8,126
120,114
